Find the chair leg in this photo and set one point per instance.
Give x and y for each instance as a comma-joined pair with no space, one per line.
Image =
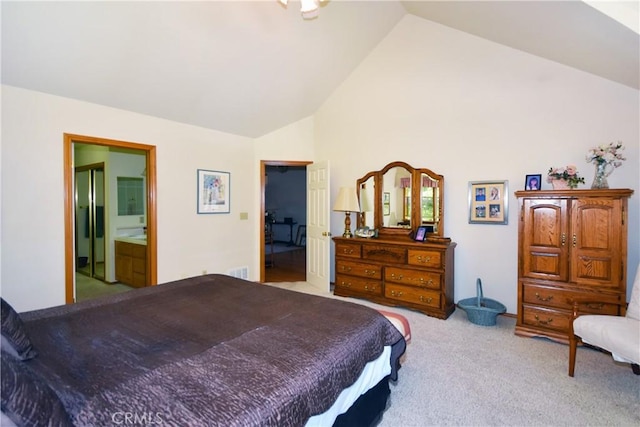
635,368
573,344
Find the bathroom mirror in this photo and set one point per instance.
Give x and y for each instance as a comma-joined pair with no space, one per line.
399,198
130,196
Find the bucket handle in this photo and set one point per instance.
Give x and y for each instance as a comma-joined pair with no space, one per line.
479,291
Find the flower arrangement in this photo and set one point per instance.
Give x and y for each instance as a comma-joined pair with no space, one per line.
566,173
607,154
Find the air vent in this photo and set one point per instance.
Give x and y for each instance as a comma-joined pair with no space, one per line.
240,273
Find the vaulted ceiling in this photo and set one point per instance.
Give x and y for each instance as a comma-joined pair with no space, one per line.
251,67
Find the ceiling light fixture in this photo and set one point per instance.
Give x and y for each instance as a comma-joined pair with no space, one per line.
309,8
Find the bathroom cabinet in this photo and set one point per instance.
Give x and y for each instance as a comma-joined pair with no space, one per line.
131,263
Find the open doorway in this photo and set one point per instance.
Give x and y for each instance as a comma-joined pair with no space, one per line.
283,225
78,226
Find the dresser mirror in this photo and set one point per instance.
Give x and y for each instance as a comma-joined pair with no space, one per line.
398,199
366,198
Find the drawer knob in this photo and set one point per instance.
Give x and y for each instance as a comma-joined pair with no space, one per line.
546,299
398,277
596,306
372,288
345,284
347,251
396,294
370,272
427,300
345,268
428,282
543,322
424,260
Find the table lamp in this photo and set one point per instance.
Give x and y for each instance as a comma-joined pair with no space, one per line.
347,202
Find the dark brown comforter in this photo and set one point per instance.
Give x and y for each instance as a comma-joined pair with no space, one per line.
210,350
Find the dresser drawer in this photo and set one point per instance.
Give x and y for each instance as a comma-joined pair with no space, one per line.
549,296
412,294
423,279
385,253
547,318
351,250
358,284
425,258
370,271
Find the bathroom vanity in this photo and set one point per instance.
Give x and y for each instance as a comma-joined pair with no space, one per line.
131,261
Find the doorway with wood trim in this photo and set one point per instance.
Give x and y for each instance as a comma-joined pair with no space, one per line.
71,227
282,248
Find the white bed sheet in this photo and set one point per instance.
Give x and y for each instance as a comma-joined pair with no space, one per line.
372,374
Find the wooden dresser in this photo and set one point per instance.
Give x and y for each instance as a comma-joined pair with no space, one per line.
397,272
571,244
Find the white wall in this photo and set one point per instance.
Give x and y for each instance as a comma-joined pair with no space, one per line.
33,193
427,95
473,110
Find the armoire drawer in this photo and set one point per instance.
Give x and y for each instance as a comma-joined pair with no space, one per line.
370,271
546,318
412,294
420,278
554,297
357,284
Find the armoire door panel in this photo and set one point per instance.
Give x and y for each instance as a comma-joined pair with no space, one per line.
544,264
595,241
590,269
545,237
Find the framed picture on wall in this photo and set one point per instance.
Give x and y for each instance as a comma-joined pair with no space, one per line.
213,192
488,202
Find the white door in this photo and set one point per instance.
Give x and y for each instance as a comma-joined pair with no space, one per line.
318,234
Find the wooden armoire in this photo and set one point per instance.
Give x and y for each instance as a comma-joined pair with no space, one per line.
571,244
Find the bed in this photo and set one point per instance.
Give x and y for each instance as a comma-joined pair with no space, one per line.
210,350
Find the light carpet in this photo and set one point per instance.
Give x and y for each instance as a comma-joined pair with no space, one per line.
456,373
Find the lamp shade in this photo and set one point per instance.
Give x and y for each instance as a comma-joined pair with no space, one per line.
347,200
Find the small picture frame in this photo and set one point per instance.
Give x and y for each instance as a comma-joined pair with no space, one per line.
421,234
213,192
533,182
488,202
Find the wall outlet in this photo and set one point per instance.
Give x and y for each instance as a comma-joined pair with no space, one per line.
244,215
141,220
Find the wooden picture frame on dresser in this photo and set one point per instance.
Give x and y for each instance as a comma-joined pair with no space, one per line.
571,244
393,268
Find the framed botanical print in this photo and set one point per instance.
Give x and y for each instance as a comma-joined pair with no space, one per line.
213,192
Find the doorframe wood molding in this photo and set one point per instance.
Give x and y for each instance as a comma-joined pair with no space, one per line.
152,254
263,186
